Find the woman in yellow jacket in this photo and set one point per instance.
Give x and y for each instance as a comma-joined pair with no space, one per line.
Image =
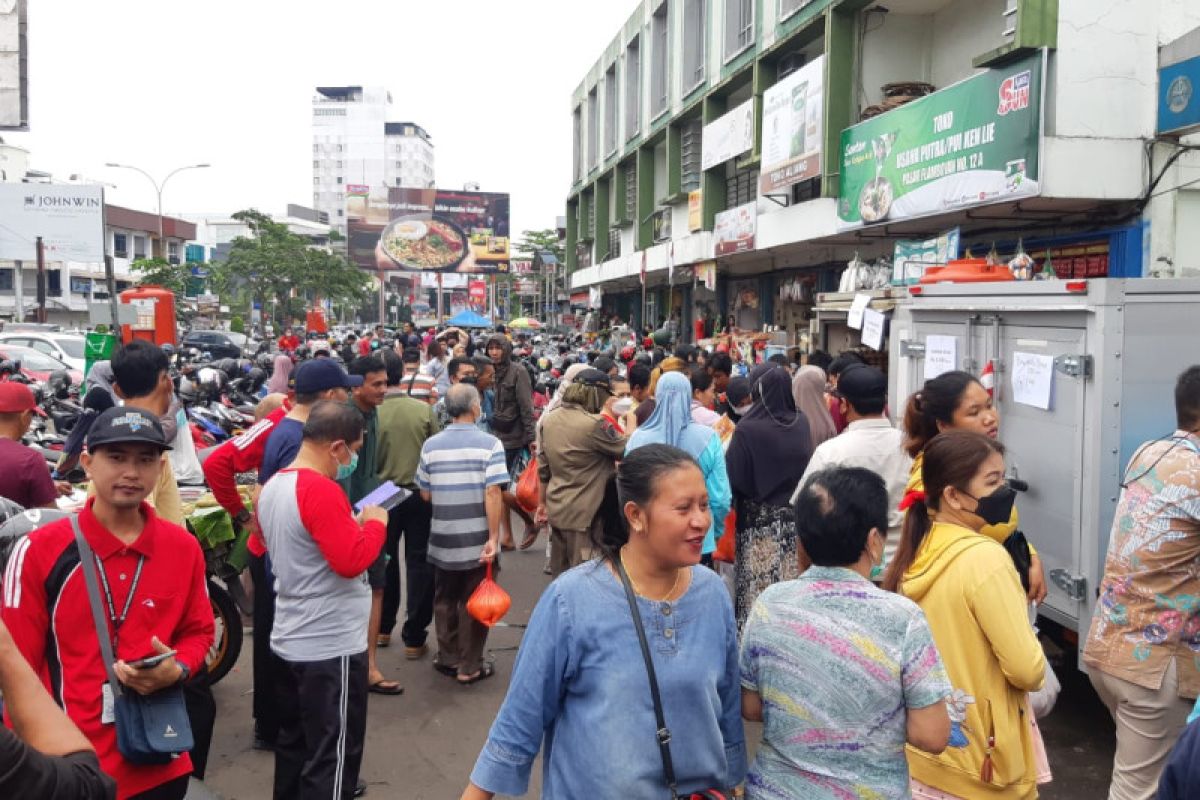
971,595
957,401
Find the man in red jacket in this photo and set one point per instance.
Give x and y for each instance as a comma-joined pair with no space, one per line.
288,342
152,574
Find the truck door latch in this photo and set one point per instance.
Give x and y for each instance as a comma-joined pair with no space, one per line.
1075,586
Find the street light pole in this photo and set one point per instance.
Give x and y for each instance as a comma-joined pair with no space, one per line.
158,190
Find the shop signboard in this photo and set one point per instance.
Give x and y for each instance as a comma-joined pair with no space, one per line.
793,128
972,143
911,256
728,136
477,290
661,225
734,230
1179,97
69,218
429,230
695,211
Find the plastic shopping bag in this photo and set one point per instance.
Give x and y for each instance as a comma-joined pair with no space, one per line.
488,603
1042,701
527,487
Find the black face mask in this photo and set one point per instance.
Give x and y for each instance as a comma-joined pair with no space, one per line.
469,379
996,508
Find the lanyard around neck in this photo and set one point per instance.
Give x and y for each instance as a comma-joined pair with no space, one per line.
116,621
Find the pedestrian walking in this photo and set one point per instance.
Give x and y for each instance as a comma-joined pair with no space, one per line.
461,474
512,418
1140,649
320,553
405,423
576,457
857,665
580,680
966,585
767,454
673,423
153,579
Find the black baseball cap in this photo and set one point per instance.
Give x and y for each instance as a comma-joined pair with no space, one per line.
322,374
125,425
738,391
594,377
861,382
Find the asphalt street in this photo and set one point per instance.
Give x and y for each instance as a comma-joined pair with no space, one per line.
421,745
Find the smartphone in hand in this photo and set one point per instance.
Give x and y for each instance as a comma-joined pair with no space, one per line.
150,662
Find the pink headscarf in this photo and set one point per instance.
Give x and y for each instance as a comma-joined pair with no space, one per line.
281,371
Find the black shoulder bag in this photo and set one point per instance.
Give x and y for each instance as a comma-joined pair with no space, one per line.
664,733
151,728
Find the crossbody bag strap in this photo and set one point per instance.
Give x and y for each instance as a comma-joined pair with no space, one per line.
87,563
663,733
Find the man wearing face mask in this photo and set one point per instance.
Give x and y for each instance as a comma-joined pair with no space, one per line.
320,552
870,441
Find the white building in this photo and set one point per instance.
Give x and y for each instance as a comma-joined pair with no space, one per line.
355,145
215,232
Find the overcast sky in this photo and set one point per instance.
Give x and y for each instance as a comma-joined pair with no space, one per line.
230,82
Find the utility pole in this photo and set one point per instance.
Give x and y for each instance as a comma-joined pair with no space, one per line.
41,281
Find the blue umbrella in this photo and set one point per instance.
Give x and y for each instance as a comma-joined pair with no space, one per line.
469,319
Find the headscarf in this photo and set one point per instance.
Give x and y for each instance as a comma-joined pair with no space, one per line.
556,401
771,446
671,423
281,371
808,390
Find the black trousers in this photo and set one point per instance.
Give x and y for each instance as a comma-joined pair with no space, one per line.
202,714
323,720
267,666
410,519
171,790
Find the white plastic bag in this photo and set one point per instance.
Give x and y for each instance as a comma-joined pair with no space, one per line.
1041,702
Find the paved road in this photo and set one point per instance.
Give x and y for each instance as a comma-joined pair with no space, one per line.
422,745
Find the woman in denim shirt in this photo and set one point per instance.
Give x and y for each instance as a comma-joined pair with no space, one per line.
579,681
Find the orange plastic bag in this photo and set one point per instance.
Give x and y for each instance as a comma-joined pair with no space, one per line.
527,488
488,603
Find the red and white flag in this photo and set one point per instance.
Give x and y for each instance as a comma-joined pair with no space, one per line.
988,379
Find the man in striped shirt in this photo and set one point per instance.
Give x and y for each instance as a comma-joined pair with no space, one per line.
462,472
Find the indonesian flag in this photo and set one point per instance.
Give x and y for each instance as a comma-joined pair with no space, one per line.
988,379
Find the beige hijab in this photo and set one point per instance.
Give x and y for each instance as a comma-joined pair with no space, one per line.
808,390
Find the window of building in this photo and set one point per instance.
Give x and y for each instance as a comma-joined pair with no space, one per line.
689,155
739,26
397,181
54,281
741,187
789,7
577,143
6,280
139,247
631,190
338,164
633,88
610,110
316,181
120,245
614,244
173,252
316,148
339,180
593,134
316,162
693,43
341,213
660,60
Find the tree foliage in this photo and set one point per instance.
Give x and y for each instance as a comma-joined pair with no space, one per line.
160,272
273,262
533,242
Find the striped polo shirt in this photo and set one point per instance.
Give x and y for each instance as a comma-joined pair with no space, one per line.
457,465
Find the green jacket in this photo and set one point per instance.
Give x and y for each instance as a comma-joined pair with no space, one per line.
403,426
365,478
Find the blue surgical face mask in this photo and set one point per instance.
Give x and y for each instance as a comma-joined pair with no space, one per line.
344,471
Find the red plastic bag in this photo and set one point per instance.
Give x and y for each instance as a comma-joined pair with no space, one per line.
488,603
527,488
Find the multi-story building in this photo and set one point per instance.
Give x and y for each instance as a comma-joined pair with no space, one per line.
216,232
355,145
733,156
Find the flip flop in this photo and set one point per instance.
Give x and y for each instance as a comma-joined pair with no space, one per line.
508,547
486,670
531,536
446,669
386,687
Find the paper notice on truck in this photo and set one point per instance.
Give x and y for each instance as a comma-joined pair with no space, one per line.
855,316
941,355
1033,379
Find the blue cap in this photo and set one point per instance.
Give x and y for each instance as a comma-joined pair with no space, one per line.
322,374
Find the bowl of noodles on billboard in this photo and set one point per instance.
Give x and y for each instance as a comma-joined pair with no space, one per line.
423,243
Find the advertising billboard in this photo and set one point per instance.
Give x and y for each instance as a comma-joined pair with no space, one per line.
793,126
734,230
428,230
70,220
975,142
728,136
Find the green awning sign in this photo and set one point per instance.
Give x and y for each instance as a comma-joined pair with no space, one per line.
972,143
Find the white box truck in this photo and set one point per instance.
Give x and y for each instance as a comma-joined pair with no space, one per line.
1109,350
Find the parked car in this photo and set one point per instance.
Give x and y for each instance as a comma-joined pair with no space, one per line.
221,344
63,347
36,365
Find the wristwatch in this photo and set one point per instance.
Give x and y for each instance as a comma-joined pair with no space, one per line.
243,517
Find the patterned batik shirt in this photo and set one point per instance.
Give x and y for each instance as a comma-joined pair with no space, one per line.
1148,612
837,663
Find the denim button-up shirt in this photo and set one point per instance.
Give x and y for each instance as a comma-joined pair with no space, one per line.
580,683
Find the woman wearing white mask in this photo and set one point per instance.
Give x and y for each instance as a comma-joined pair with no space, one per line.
671,423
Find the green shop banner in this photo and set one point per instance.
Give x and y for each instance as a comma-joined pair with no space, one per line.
972,143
